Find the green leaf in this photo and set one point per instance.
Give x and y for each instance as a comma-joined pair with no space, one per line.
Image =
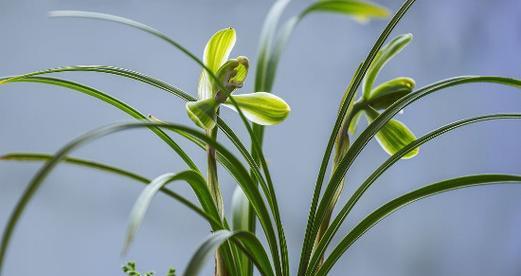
43,157
354,123
342,214
313,217
240,220
203,112
108,99
240,207
196,182
216,53
360,10
130,23
393,136
389,92
261,107
245,240
267,35
383,56
394,205
237,169
359,144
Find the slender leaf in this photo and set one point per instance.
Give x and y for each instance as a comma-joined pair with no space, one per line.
240,221
110,100
246,241
394,205
130,23
42,157
238,170
312,225
196,182
385,116
337,222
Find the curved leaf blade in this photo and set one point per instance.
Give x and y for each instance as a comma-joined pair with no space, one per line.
196,182
110,100
343,213
394,205
246,241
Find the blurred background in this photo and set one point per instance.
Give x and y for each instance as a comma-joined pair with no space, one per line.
76,222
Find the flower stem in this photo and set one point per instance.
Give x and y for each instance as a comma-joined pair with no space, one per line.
215,190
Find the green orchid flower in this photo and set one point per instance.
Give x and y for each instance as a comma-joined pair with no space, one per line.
230,75
395,135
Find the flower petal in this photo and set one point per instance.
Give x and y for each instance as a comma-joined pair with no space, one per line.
383,56
388,92
203,112
394,136
216,53
261,107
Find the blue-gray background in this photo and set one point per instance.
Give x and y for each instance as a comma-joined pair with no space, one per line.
75,224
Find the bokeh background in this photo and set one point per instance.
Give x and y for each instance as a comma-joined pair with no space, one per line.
76,222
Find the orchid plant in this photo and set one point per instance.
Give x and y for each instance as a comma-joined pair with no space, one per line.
234,241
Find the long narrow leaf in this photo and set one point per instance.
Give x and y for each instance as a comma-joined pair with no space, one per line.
239,173
385,116
339,219
312,225
196,182
247,242
394,205
43,157
110,100
130,23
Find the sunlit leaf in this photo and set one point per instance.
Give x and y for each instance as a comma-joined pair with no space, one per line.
216,53
394,136
388,92
359,10
383,56
261,107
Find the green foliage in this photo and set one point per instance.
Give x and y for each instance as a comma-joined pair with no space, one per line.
237,247
130,270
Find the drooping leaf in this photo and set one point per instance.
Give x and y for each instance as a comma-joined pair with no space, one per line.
389,92
237,169
203,112
384,55
216,53
108,99
359,10
393,136
245,240
261,107
196,182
